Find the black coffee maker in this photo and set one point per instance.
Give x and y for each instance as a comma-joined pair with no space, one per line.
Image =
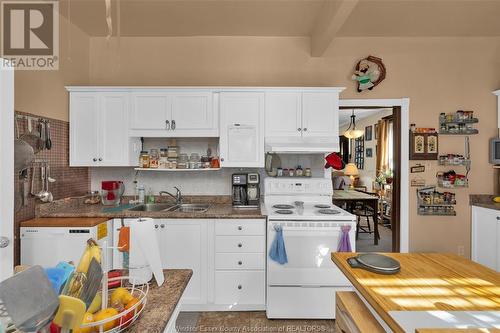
245,190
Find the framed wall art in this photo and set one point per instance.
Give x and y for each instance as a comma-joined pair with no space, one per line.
368,133
424,146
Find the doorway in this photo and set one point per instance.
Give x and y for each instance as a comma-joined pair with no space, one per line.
377,157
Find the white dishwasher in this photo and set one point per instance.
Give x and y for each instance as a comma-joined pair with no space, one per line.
47,246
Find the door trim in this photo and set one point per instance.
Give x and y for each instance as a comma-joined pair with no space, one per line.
404,105
7,169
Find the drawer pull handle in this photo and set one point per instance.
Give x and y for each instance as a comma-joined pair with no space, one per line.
498,217
240,287
241,228
240,245
240,263
163,226
156,226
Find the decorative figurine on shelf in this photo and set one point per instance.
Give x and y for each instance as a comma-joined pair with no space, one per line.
369,72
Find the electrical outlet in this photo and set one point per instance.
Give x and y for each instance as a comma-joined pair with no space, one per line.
461,250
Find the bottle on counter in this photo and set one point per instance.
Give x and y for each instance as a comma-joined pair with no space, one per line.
151,196
141,191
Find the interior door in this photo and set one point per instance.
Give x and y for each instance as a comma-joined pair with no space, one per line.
150,111
283,114
113,139
320,114
84,129
6,170
192,112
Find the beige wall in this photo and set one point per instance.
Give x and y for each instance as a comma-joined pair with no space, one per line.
42,92
437,74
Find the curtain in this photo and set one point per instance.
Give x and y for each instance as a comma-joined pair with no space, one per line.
383,150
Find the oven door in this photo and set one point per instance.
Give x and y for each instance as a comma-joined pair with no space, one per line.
308,246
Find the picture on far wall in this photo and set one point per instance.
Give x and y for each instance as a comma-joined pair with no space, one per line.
368,133
369,152
376,131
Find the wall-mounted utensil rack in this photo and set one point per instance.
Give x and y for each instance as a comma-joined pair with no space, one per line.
433,203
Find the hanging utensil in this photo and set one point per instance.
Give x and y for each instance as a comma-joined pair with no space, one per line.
48,141
45,195
23,152
32,137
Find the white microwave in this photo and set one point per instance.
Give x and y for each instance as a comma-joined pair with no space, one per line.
495,151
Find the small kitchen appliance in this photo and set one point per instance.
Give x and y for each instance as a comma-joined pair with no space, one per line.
246,192
312,228
253,189
111,192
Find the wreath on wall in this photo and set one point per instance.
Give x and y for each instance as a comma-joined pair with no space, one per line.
369,72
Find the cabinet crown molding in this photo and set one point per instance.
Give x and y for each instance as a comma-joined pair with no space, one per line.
202,88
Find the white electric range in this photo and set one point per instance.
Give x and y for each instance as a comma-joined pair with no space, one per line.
305,286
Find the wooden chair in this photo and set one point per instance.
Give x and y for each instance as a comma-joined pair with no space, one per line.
362,210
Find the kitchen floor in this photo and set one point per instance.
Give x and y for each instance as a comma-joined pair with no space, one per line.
247,321
365,241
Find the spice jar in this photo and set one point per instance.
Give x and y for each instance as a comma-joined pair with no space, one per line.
291,172
308,172
144,159
205,162
154,159
299,172
163,159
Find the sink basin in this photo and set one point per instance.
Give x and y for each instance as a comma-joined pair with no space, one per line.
151,207
191,208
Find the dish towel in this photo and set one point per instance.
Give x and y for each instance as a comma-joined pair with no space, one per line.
278,251
345,243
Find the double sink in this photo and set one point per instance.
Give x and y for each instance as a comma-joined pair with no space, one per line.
165,207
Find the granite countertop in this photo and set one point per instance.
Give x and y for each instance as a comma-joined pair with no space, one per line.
219,209
483,200
162,301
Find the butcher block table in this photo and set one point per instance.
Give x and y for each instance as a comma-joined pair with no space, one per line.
432,290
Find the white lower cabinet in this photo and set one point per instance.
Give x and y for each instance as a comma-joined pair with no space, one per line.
486,237
240,288
240,261
226,276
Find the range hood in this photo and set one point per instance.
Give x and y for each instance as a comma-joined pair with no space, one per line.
292,145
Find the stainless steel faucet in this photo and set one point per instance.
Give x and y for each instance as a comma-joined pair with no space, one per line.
177,196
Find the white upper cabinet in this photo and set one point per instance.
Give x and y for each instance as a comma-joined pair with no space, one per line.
98,135
302,113
320,114
173,114
150,111
241,129
283,114
83,128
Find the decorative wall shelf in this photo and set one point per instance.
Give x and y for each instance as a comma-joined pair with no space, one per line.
433,203
442,184
461,132
454,163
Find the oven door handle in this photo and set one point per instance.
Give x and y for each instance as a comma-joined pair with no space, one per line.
310,228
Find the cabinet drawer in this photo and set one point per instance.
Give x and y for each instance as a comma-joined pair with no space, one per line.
239,244
239,261
240,287
240,227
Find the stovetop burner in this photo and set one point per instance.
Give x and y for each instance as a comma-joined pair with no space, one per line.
284,211
283,206
328,211
322,206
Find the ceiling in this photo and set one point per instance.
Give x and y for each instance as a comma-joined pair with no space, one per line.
287,17
345,115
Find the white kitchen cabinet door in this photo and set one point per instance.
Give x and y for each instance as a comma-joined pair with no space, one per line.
150,111
84,128
241,129
486,237
283,114
184,245
193,114
320,114
113,136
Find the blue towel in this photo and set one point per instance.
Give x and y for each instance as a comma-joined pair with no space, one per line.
278,251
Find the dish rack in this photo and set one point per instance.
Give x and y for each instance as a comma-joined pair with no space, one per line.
138,291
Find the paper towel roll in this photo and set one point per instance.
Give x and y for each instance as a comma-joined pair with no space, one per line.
144,252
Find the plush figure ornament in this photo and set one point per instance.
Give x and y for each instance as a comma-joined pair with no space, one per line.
369,72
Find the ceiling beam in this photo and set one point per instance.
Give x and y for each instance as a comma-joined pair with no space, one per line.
328,24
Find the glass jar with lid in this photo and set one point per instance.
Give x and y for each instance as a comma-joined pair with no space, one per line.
144,159
194,161
154,159
163,159
182,161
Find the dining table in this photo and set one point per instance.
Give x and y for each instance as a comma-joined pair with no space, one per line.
351,196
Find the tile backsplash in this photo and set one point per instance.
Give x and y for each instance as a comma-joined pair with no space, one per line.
70,182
